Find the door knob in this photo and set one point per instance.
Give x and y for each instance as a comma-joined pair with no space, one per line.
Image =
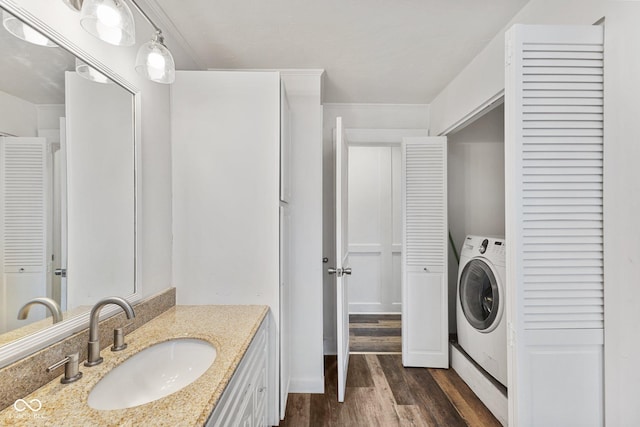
60,272
332,270
347,271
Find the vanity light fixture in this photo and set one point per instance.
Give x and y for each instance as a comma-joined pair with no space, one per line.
109,20
112,21
88,72
24,32
154,61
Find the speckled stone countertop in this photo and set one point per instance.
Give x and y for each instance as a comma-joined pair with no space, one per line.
229,328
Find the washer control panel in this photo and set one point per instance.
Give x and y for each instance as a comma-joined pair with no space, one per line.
476,245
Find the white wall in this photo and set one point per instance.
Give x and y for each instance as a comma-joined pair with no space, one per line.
476,188
483,78
354,116
154,177
17,116
375,228
307,362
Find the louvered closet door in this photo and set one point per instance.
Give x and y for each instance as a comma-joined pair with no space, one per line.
23,184
425,330
554,235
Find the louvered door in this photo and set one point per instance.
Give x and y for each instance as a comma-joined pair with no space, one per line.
554,136
425,330
23,216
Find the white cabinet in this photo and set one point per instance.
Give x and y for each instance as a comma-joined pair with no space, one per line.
244,401
228,246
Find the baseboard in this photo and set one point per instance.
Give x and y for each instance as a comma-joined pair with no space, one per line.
486,391
307,385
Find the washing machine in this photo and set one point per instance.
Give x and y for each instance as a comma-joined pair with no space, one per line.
480,305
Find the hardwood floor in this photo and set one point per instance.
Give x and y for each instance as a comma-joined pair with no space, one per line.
375,333
381,392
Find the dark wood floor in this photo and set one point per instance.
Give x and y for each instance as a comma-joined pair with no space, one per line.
381,392
375,333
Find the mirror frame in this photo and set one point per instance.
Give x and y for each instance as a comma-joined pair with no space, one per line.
29,344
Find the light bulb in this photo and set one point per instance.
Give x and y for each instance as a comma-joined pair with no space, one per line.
108,16
109,20
156,65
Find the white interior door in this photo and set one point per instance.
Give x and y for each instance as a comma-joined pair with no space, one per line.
342,269
425,326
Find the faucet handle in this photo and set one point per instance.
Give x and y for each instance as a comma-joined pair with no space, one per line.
71,369
118,340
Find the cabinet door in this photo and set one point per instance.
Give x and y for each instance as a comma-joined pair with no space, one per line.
554,230
425,328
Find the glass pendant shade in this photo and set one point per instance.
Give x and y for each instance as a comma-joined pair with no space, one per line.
154,61
109,20
90,73
75,5
24,32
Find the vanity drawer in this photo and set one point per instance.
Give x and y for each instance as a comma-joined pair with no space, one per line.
237,405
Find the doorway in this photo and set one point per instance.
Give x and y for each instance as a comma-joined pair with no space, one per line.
375,248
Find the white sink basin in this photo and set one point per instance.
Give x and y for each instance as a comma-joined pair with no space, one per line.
155,372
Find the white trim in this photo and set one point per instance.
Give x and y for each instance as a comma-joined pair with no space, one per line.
307,385
482,109
377,137
481,386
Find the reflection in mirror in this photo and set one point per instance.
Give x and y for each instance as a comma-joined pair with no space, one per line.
67,184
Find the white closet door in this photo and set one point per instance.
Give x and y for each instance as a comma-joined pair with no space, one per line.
23,215
425,327
554,236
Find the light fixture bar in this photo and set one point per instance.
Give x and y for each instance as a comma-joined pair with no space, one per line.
153,61
144,14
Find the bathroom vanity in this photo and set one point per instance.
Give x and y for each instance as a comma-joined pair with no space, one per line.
234,390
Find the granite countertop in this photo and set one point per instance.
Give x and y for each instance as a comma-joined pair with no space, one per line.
229,328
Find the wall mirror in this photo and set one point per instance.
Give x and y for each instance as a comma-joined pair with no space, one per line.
67,189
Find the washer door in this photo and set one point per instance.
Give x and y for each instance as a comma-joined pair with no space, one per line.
479,295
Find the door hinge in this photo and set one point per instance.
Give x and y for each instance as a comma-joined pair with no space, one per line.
508,54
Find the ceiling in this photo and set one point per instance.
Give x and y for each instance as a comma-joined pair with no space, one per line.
373,51
33,73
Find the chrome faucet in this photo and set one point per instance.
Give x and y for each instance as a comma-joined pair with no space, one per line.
93,357
52,305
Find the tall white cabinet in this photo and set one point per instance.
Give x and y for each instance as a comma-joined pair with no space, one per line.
229,207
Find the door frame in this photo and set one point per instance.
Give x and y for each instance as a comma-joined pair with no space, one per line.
361,137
